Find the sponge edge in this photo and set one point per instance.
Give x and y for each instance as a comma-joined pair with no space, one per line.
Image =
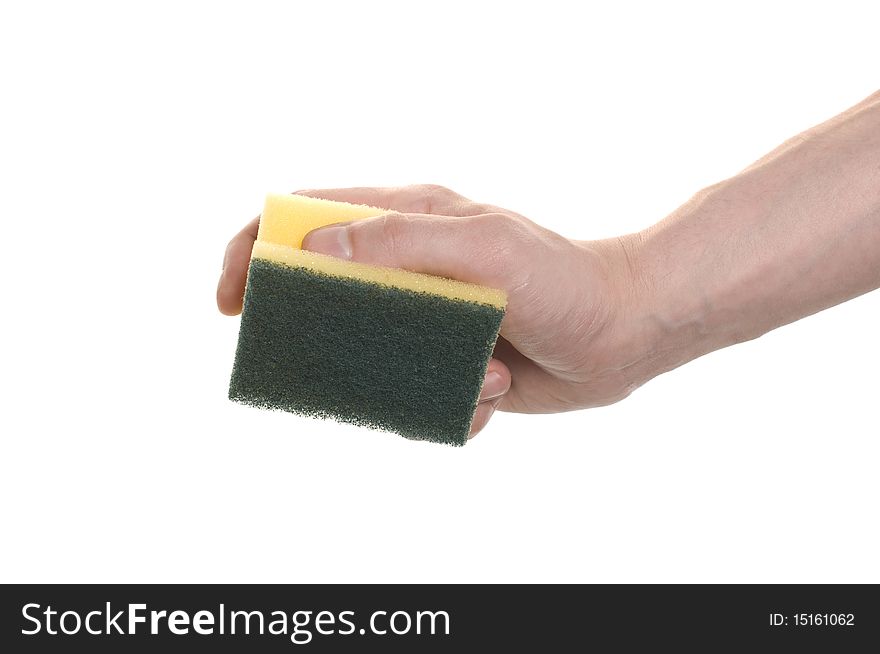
449,288
379,347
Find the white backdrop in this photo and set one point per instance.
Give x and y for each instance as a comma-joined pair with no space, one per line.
134,142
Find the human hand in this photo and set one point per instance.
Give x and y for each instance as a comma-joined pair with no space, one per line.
588,322
558,345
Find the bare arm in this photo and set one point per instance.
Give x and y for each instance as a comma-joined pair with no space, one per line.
589,321
795,233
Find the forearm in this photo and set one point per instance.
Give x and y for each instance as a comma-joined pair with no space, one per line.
795,233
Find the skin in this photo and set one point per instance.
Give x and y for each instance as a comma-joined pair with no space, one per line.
588,322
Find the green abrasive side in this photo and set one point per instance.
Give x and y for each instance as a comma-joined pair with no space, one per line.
387,358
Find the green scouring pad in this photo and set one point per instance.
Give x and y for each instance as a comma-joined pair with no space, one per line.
385,348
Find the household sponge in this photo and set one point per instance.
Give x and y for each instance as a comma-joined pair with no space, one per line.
385,348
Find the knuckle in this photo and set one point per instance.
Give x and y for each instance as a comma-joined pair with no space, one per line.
435,190
504,229
478,208
506,239
496,221
433,197
387,234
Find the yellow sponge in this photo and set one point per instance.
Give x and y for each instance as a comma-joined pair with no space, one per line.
286,219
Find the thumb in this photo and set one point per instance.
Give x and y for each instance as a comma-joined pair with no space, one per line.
479,249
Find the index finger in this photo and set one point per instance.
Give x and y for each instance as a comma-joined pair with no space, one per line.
230,288
419,198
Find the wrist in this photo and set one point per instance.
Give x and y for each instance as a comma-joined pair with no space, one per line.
699,289
668,308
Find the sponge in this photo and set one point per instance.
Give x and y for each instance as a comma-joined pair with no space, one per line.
389,349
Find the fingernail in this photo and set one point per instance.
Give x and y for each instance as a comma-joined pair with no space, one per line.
333,241
493,386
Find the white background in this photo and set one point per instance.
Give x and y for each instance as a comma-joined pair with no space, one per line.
135,142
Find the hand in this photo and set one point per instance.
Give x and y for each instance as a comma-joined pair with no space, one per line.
565,299
588,322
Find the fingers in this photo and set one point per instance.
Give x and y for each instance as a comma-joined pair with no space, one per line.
418,198
495,385
496,382
230,288
484,249
484,412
